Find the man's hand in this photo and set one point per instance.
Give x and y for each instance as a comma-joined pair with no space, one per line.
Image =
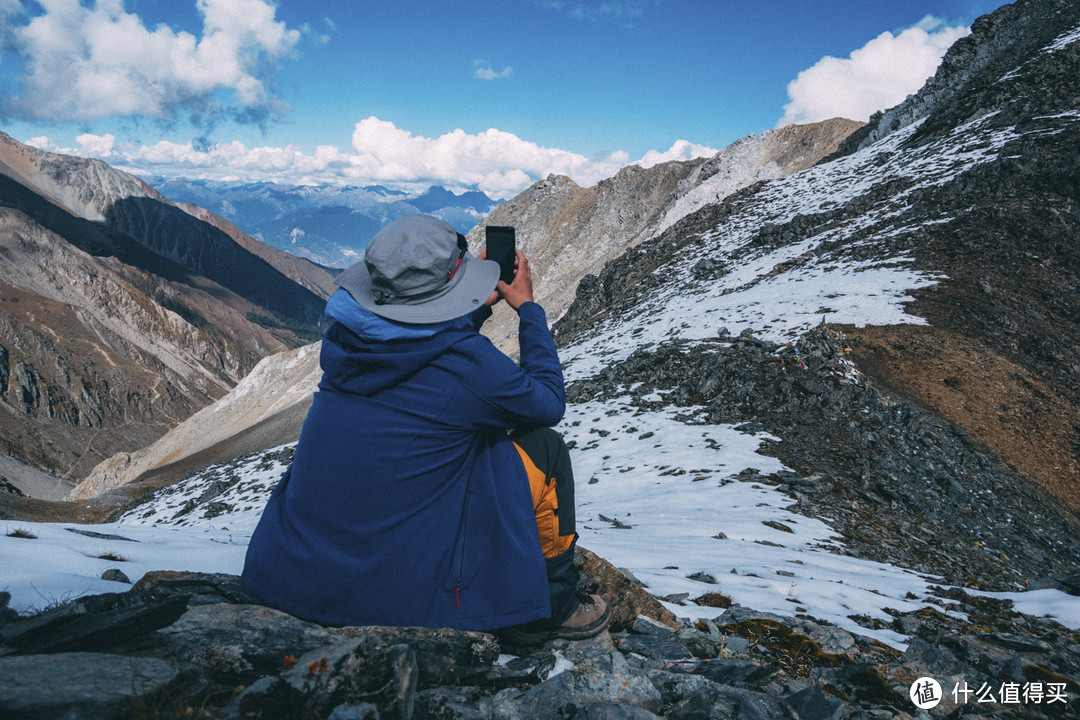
520,291
494,297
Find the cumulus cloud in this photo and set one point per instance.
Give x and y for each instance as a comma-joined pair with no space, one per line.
497,162
680,150
875,77
484,71
42,142
87,61
100,146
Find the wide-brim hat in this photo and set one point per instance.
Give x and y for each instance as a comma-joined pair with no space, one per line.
417,269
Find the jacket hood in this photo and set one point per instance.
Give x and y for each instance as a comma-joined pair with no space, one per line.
363,354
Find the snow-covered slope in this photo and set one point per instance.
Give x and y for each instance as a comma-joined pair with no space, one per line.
847,271
568,232
680,507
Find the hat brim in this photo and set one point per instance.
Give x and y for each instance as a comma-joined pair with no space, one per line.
468,290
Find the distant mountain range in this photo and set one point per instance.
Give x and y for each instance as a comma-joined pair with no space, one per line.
326,224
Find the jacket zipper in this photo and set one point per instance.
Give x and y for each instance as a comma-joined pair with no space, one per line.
464,544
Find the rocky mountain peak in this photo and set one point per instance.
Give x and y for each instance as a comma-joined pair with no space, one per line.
85,187
569,232
999,42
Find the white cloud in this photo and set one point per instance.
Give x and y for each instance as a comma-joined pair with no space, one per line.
497,162
84,62
875,77
100,146
484,71
680,150
42,142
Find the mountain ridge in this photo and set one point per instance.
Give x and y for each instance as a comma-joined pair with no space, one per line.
970,228
569,232
995,38
110,333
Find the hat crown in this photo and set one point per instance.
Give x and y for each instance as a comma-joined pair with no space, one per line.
411,256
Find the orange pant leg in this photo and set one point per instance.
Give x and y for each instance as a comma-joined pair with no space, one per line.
546,505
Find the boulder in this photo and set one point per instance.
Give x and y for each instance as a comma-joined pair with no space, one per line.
81,685
94,623
197,588
628,599
239,643
444,656
600,676
353,672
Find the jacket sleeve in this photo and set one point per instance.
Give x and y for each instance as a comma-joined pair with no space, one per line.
509,396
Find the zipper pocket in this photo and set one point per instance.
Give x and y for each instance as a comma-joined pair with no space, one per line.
463,543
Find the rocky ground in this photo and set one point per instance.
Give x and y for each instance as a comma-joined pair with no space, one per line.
181,645
901,485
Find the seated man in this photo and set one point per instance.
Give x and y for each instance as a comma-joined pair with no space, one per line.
427,487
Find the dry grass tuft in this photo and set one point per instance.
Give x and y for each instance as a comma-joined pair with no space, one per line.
713,599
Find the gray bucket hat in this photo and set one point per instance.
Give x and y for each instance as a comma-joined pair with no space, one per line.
417,269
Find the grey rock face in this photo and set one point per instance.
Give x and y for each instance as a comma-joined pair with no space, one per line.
79,685
232,643
998,45
600,675
354,673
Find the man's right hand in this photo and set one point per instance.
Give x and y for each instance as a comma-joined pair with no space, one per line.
520,290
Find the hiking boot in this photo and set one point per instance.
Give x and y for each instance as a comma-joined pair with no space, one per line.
591,617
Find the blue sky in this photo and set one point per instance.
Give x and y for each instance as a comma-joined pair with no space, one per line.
472,94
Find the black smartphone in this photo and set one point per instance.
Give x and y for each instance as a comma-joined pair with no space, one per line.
500,248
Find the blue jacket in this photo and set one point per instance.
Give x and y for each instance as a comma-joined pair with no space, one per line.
406,503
